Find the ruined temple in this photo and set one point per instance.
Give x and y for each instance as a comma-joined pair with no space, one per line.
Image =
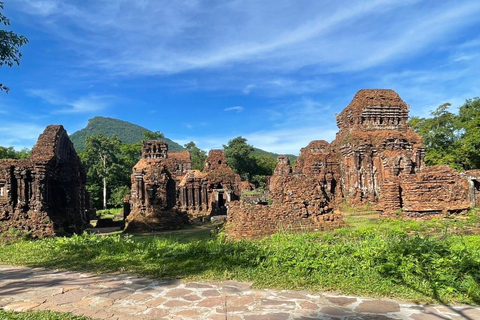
382,160
44,195
375,158
167,194
208,192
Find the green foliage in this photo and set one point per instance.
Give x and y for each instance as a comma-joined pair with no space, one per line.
117,195
259,152
157,135
411,260
39,315
101,158
197,155
127,132
10,44
240,156
10,153
450,138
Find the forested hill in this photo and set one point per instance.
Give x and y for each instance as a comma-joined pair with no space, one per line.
259,152
127,132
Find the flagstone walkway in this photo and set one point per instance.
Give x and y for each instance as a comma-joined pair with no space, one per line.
128,297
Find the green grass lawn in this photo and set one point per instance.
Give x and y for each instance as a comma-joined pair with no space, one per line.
39,315
426,261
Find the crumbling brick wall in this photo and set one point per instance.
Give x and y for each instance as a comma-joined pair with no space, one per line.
44,195
434,190
246,220
302,198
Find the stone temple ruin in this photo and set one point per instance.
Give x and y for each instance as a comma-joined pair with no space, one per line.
375,158
44,195
166,193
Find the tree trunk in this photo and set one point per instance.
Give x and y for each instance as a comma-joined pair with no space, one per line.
104,193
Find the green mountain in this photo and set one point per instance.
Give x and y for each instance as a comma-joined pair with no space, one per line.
131,133
259,152
127,132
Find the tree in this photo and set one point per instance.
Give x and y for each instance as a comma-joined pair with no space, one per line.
10,153
157,135
101,159
238,155
468,122
450,138
440,135
197,155
10,44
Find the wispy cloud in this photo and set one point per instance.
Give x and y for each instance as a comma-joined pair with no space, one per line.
87,104
248,88
236,109
20,135
176,36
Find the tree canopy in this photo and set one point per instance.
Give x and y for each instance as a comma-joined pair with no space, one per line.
240,156
10,44
197,155
449,138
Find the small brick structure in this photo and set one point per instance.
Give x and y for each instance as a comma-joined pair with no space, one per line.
44,195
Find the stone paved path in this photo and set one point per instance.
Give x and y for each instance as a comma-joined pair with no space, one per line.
128,297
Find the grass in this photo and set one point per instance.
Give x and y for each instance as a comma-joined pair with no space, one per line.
425,261
39,315
109,213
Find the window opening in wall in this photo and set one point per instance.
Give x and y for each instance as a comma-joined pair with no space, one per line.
476,184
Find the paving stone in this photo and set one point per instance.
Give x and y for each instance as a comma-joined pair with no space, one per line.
292,295
278,303
68,297
469,312
378,306
189,313
155,302
178,293
128,310
223,316
140,297
196,285
273,316
428,317
333,311
177,300
341,301
21,306
211,302
308,305
192,297
86,302
156,313
114,293
211,293
177,303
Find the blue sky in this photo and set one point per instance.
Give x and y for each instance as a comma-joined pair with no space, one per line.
275,72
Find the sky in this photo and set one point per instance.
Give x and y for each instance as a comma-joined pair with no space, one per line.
274,72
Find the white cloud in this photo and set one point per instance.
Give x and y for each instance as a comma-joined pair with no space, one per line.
87,104
19,135
236,109
165,37
248,89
